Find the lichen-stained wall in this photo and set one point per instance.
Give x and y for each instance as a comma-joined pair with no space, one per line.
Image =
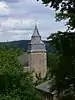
38,62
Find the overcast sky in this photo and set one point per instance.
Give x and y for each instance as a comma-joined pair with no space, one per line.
17,20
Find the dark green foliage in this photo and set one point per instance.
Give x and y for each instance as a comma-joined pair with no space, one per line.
68,97
15,84
64,44
65,8
52,63
22,44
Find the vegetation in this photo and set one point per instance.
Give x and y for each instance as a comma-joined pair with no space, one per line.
15,84
63,68
53,60
63,44
22,44
65,9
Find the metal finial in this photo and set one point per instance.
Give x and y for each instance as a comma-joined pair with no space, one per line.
35,23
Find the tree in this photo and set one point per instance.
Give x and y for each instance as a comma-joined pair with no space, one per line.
52,64
15,84
64,45
65,10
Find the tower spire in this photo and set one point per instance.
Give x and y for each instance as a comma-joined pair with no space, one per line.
35,22
36,32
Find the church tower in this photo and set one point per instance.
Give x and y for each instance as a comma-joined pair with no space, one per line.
37,54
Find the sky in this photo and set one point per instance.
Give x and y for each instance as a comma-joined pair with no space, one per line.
18,18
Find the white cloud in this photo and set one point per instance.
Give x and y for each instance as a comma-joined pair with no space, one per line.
15,35
4,9
15,24
17,19
16,29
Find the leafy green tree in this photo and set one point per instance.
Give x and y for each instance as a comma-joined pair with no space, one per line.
52,64
65,9
64,45
15,84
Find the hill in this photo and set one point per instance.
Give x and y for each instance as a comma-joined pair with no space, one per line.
23,44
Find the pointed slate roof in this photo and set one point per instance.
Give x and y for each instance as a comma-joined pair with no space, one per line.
36,44
36,32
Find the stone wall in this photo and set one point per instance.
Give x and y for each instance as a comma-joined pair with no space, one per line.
38,62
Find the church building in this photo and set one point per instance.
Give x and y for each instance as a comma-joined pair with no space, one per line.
37,60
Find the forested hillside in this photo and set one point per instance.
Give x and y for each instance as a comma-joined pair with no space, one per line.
23,44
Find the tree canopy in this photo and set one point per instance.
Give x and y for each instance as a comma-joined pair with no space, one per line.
15,84
64,71
63,44
65,10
